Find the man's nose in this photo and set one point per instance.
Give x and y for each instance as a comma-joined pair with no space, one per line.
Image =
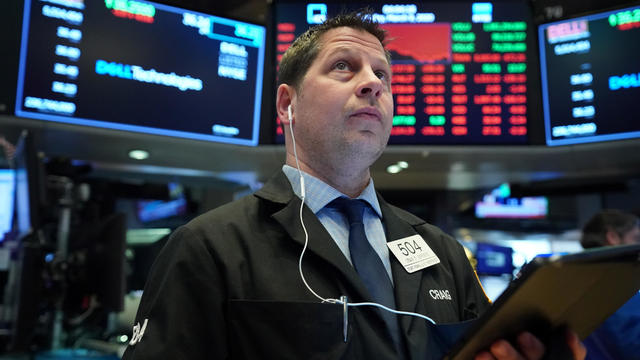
371,84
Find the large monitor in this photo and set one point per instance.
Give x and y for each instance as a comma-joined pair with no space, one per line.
591,77
461,69
141,66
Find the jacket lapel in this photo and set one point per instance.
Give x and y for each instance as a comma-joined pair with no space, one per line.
278,190
406,286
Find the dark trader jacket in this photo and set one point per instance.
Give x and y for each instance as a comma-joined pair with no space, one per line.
227,286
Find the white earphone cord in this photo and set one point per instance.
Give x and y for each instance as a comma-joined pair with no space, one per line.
306,242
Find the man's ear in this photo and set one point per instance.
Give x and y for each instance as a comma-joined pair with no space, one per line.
612,238
285,97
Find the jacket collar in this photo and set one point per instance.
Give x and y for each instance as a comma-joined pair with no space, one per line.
399,224
319,193
278,190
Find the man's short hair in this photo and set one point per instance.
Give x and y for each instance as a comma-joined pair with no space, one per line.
304,50
594,232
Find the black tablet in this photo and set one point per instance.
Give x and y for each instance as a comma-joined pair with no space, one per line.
579,291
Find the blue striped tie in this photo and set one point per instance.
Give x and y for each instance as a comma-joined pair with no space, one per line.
369,265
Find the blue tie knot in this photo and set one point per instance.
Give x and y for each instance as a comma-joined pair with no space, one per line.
352,208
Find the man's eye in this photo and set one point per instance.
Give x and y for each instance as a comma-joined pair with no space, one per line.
381,75
341,65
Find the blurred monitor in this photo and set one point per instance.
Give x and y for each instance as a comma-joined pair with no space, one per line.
494,259
141,66
151,210
7,201
499,204
591,77
461,69
29,186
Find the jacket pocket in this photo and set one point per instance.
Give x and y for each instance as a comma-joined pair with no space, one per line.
285,330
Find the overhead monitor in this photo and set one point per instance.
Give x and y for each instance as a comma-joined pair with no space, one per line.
141,66
461,69
499,204
591,77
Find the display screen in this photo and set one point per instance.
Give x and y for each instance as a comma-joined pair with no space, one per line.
460,69
7,201
494,259
591,77
512,208
26,187
499,204
150,210
141,66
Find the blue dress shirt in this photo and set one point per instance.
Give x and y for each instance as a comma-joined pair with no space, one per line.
319,194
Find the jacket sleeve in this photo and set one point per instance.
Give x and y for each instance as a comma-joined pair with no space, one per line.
181,311
474,301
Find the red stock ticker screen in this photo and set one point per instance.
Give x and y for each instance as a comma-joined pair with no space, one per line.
460,69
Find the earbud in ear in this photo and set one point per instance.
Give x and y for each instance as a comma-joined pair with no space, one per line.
289,113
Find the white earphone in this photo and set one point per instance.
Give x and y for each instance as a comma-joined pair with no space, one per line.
343,299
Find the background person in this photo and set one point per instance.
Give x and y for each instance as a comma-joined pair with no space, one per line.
619,336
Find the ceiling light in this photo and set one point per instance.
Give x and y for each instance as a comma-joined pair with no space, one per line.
393,169
403,164
138,154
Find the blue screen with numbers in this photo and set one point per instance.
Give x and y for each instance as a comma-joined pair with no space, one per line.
141,66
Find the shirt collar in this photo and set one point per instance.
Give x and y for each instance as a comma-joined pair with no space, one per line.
319,194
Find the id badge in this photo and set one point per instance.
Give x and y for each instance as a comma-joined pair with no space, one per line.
413,253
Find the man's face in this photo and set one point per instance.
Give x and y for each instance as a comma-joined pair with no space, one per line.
632,236
344,110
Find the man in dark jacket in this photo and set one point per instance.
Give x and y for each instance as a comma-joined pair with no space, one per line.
273,274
